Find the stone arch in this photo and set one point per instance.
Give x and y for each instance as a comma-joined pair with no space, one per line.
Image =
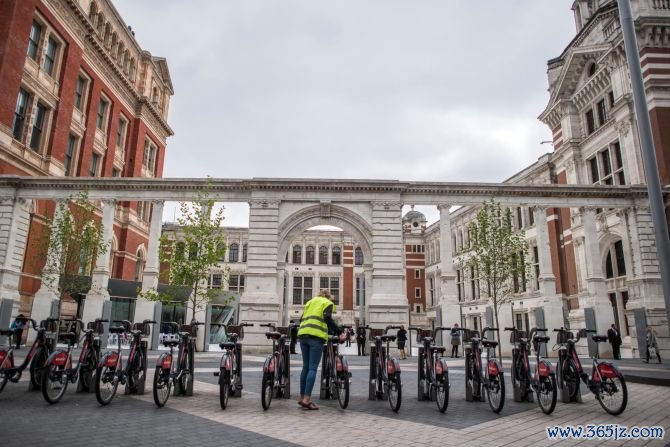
93,13
606,242
341,217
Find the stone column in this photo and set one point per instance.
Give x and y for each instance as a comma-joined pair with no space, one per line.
451,312
260,302
48,290
596,287
14,226
388,303
144,308
98,293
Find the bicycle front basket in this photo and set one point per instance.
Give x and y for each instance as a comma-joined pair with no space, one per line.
49,325
469,334
563,337
96,326
423,333
515,336
284,330
192,330
376,333
239,330
142,327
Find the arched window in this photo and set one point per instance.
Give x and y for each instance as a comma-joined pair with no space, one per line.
337,255
244,252
108,35
119,54
93,13
323,254
180,250
133,69
234,252
139,266
615,264
309,254
592,69
358,256
297,254
617,287
221,252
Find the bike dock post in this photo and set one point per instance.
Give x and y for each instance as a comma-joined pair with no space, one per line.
323,391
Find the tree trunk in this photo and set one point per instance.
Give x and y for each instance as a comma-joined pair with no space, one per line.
495,315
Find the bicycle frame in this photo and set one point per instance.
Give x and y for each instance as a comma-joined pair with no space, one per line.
41,342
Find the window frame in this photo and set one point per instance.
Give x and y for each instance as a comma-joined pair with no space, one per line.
71,152
41,117
34,46
19,121
101,120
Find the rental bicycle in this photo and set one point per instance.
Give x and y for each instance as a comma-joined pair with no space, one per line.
607,382
385,379
110,371
492,379
276,381
37,356
58,372
181,373
335,375
230,373
543,381
433,373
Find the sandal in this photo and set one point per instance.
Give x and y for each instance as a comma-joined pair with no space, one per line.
309,406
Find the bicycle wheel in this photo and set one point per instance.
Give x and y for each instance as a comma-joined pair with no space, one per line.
496,392
394,392
613,395
224,388
267,387
4,374
162,386
546,394
521,377
442,393
54,382
87,370
136,375
342,384
106,384
570,379
473,380
37,367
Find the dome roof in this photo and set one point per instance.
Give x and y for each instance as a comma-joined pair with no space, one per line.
414,215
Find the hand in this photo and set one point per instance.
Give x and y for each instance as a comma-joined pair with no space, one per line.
342,337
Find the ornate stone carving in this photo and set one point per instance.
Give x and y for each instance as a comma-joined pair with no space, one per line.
264,203
325,209
623,127
387,205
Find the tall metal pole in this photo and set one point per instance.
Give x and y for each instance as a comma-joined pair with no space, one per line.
648,151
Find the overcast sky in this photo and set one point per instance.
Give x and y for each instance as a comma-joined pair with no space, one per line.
440,90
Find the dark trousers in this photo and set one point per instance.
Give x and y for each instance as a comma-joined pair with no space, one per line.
361,347
454,350
18,333
348,341
616,351
658,354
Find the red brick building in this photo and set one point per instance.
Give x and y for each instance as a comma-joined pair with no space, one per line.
80,97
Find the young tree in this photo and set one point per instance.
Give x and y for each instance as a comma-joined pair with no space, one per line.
498,255
70,248
198,247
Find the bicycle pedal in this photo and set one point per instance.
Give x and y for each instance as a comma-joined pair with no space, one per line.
216,373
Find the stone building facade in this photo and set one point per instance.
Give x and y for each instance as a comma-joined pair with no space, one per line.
79,97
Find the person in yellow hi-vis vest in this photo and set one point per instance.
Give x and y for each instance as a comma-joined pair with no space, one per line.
315,324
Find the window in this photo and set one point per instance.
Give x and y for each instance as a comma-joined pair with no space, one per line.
102,112
216,280
459,285
360,289
531,217
79,92
180,250
309,254
590,122
592,69
431,290
50,56
616,267
536,267
474,284
149,160
522,321
236,283
116,172
602,112
38,127
70,154
417,293
332,285
143,211
358,256
610,97
606,166
221,252
233,252
121,133
417,274
336,255
34,40
323,255
297,254
20,114
93,168
302,289
519,219
244,252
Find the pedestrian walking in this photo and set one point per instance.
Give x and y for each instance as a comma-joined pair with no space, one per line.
17,326
360,340
652,345
294,336
614,337
315,324
401,337
455,340
348,332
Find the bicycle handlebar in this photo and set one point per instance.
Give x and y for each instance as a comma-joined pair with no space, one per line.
246,324
512,329
486,329
270,325
414,328
391,327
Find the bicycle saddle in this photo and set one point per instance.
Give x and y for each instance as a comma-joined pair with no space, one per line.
523,341
227,345
117,330
439,349
427,339
489,343
541,339
387,338
170,343
273,335
599,338
7,332
334,338
137,333
70,337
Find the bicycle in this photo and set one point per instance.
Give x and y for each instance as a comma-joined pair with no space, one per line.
37,356
492,380
335,375
385,379
58,370
230,374
110,371
606,382
543,381
276,381
433,373
179,374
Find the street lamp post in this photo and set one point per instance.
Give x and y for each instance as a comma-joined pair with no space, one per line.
648,151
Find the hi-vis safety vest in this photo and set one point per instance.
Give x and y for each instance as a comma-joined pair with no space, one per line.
312,322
